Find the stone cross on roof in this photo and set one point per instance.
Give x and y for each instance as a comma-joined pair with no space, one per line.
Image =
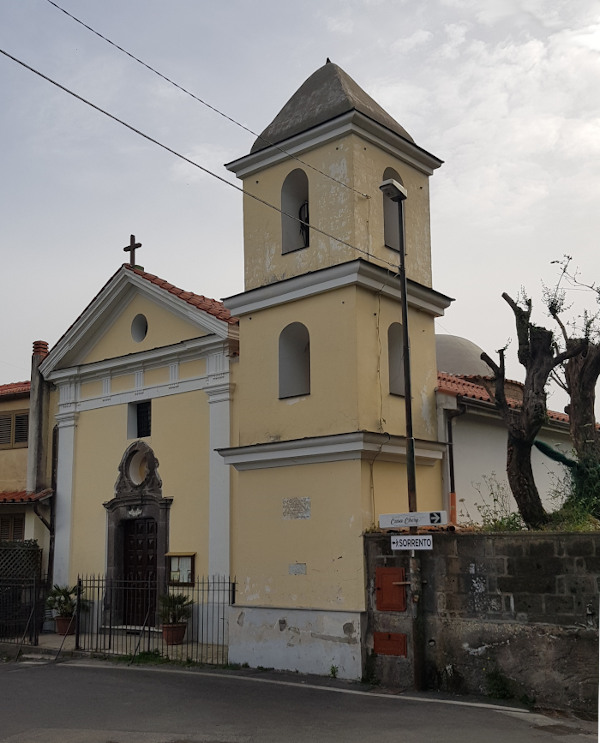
131,248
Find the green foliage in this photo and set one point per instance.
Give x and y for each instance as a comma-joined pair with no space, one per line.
555,454
579,492
333,671
586,485
175,608
495,508
63,600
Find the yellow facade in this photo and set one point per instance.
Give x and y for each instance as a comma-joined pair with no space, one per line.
354,214
296,537
163,328
182,467
349,370
13,461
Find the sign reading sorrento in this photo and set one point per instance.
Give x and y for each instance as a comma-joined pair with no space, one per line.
417,518
412,542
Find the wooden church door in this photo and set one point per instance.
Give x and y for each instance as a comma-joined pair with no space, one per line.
139,571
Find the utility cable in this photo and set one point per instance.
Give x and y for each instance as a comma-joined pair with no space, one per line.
204,103
187,159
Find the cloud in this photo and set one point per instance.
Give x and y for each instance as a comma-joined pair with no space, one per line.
209,156
344,26
409,43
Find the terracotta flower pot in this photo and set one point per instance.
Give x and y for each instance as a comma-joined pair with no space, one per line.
173,633
65,625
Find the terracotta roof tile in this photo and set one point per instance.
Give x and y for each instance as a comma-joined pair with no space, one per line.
22,496
15,388
466,386
211,306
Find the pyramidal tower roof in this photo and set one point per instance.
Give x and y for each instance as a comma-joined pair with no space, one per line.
327,93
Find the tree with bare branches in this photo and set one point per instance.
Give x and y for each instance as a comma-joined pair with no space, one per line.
538,355
582,371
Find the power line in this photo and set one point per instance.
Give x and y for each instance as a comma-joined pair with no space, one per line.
204,103
186,159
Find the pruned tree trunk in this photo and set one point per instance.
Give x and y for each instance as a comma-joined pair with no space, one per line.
536,354
522,482
581,375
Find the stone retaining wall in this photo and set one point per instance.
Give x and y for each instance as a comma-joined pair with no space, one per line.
509,615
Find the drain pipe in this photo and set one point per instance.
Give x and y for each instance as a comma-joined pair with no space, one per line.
37,445
451,415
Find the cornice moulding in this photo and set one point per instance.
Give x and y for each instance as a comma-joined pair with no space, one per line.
352,273
194,349
339,447
352,122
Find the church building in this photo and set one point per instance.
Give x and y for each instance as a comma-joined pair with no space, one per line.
261,437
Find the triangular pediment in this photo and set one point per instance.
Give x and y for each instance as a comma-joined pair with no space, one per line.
136,312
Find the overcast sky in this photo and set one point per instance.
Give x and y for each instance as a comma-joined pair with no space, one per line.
506,92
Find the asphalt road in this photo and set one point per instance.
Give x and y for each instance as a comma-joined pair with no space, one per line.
97,702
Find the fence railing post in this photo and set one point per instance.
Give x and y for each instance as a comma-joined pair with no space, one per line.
78,606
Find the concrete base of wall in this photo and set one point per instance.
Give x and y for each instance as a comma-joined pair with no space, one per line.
554,667
307,641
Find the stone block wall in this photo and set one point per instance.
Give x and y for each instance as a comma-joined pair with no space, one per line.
509,615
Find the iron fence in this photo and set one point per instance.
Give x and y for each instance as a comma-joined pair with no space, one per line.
22,609
122,617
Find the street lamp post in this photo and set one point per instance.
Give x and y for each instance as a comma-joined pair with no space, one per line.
396,192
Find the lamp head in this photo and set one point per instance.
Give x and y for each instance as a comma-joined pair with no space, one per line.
394,190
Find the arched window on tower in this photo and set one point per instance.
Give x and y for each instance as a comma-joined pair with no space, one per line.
295,213
396,359
391,226
294,361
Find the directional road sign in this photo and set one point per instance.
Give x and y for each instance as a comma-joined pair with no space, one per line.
412,542
416,518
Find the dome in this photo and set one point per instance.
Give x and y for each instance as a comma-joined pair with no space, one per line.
456,355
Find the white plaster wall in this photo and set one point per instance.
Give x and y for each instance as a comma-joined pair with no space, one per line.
480,450
303,640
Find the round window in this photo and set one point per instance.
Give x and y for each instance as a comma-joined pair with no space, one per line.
139,328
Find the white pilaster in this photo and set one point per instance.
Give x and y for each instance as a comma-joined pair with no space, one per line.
67,423
219,399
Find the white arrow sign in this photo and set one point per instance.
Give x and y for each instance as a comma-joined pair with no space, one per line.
416,518
412,542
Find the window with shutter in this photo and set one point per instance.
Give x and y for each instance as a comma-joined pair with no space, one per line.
5,430
14,429
21,428
12,527
4,528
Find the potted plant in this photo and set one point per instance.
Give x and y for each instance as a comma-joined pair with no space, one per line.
175,610
63,602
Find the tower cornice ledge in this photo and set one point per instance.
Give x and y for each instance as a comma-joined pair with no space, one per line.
366,445
359,273
351,122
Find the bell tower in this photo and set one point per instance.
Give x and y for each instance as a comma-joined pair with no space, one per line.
319,411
